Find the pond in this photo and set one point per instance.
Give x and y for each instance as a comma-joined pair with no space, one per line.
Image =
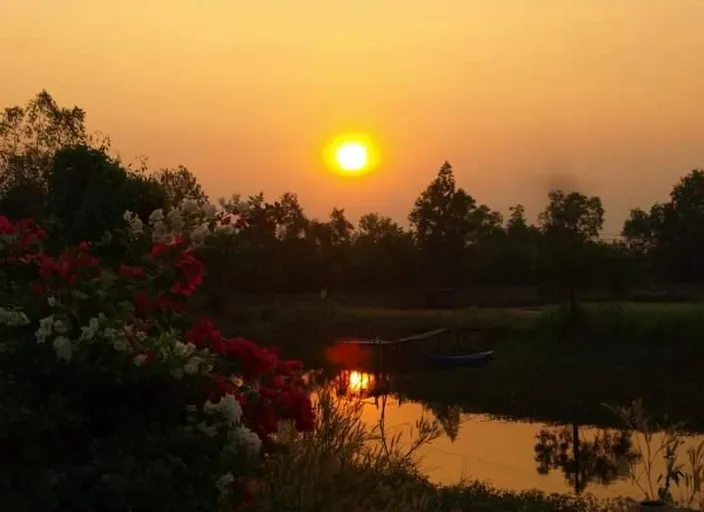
511,455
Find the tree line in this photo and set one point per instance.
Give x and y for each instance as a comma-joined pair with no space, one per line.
52,169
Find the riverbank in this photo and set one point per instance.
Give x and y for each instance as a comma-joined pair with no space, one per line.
345,465
543,371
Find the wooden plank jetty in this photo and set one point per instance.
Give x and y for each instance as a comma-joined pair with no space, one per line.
385,353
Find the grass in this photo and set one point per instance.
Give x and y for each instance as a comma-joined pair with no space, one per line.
345,466
619,352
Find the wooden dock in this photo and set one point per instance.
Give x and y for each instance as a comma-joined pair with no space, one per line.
406,353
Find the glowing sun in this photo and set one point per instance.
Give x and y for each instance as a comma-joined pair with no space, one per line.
352,156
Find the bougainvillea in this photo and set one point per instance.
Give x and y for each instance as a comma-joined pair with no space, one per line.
114,342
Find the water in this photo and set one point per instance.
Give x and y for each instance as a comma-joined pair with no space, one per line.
512,455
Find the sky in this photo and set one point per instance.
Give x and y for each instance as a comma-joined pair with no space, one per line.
605,96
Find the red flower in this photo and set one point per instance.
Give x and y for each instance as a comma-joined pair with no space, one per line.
142,302
131,272
204,335
6,227
84,247
191,269
161,248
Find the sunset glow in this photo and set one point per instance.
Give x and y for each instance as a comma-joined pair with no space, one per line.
352,157
519,96
351,154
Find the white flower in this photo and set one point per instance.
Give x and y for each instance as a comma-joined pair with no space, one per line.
62,346
51,301
13,318
210,211
89,331
244,439
190,207
156,216
160,231
208,430
183,349
120,345
191,367
230,408
224,483
60,327
139,359
226,229
176,220
46,326
199,234
135,224
110,333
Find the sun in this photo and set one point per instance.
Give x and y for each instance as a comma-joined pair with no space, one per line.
352,156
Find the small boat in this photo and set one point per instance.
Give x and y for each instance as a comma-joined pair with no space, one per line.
476,359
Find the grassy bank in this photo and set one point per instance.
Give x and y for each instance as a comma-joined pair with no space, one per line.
617,352
346,466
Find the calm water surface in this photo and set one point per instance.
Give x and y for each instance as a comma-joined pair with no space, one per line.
513,455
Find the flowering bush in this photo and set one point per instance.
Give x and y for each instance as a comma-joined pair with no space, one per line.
113,396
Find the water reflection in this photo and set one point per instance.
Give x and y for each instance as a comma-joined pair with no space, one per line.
354,384
448,416
603,458
513,455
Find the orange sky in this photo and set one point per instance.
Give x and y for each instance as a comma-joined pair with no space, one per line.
519,95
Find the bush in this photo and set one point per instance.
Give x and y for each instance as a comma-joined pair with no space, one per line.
113,396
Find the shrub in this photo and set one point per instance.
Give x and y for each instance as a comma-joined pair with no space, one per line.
113,396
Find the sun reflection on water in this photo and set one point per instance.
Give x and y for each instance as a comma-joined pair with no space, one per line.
359,384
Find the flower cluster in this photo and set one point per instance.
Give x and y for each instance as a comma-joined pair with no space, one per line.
23,233
276,390
189,220
13,317
124,312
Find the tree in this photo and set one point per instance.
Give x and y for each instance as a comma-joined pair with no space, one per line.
442,223
180,184
679,229
604,458
569,223
574,216
517,225
89,192
29,137
384,254
671,234
638,231
516,256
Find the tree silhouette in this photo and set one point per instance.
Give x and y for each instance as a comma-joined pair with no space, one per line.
180,184
52,169
602,459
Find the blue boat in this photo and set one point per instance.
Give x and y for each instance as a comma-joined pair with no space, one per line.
477,359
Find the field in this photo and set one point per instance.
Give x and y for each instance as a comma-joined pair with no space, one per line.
544,370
